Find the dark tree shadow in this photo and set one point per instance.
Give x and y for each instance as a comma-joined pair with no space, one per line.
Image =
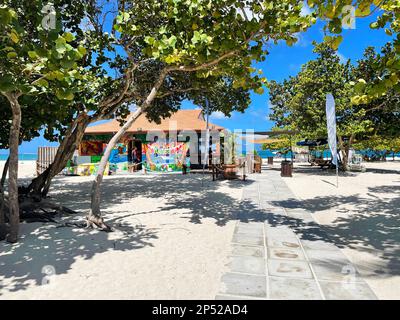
372,225
21,265
42,245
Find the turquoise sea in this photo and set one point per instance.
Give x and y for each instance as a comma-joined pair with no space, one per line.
21,156
326,154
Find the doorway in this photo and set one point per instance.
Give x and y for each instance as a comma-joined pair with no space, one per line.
131,146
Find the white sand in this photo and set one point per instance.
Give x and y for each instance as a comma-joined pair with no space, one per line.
362,216
172,242
26,169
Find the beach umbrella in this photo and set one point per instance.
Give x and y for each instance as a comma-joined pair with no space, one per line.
312,143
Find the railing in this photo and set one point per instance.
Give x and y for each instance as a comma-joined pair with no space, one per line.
46,157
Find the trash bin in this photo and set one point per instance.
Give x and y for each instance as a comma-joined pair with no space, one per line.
286,169
271,160
257,167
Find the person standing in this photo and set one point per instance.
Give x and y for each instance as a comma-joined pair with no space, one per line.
135,155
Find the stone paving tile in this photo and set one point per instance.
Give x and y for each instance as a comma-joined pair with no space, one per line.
251,265
347,291
290,269
333,265
318,245
241,238
282,242
275,211
336,271
275,245
249,251
281,237
279,231
302,216
250,228
244,285
326,256
253,224
293,289
286,254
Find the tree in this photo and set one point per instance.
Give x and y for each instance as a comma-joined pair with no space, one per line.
381,145
299,102
197,39
339,14
384,111
27,69
3,229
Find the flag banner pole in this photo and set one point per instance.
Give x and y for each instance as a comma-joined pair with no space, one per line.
331,128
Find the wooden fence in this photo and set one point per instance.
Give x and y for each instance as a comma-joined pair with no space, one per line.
46,156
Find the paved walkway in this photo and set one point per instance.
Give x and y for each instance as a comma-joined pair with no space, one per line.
279,252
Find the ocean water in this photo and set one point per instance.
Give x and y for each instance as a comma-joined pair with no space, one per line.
21,156
326,154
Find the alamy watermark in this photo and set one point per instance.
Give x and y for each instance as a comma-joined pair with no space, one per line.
349,17
206,145
49,272
350,277
49,19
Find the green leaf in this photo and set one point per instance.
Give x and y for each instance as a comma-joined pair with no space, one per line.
172,41
149,40
259,90
42,83
6,83
333,42
14,37
82,50
388,32
63,94
68,37
33,55
11,55
61,45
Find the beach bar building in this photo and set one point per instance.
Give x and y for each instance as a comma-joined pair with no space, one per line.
166,147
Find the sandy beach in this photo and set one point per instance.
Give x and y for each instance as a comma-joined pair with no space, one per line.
171,242
362,217
26,169
172,234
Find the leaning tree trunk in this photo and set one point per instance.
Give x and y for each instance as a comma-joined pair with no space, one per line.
94,217
40,185
13,168
345,148
3,229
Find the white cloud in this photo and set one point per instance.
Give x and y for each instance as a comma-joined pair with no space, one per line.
302,41
218,115
305,11
342,58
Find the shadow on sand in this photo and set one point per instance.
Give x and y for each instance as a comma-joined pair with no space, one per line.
21,265
372,226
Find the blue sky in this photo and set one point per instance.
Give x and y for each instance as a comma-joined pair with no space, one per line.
282,62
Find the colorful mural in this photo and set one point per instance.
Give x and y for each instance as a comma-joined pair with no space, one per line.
90,169
91,148
119,159
158,157
119,154
165,157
